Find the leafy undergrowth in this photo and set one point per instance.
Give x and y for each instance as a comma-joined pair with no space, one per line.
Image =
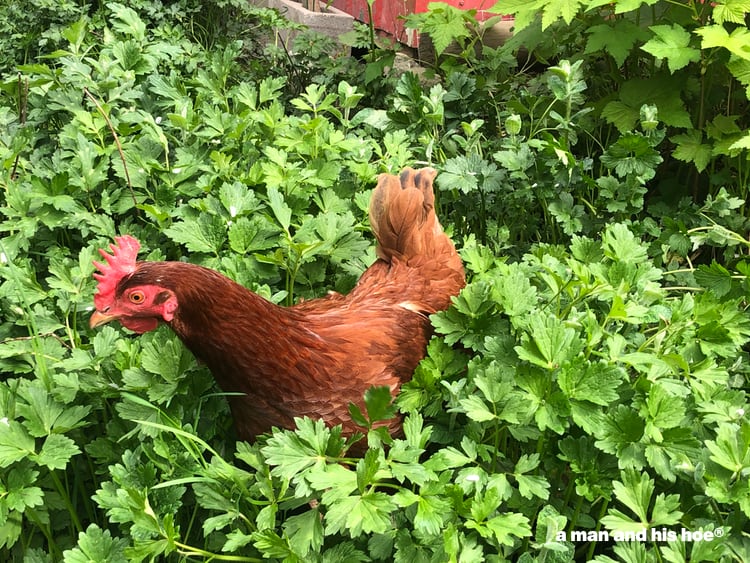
582,400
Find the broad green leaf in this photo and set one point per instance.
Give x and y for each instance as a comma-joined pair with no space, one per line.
665,511
733,11
525,11
618,521
126,21
623,6
508,528
15,442
737,42
267,542
205,234
252,234
530,486
595,382
731,449
292,453
635,491
619,433
448,458
621,115
548,343
476,409
616,38
632,154
238,200
357,514
97,546
281,210
379,404
444,24
621,245
662,409
305,532
690,148
560,9
672,43
57,451
21,492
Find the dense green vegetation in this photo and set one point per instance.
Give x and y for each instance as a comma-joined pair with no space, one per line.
592,378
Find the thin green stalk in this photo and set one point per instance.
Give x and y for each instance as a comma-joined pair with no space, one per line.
63,492
54,549
602,512
190,551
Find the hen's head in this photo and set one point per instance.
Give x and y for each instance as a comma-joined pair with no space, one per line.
138,303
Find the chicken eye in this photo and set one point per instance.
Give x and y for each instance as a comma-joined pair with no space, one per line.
137,297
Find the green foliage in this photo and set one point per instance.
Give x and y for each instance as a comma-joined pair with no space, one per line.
681,57
591,378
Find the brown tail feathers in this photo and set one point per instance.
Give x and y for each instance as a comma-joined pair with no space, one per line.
402,215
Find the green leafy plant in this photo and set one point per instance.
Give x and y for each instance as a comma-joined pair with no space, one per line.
589,382
682,57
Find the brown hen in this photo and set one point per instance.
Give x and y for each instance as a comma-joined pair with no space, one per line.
315,358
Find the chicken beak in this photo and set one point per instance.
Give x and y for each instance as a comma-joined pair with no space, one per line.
99,319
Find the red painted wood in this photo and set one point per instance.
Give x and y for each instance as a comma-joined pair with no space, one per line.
388,14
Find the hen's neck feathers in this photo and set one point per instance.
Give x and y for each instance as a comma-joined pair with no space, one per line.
234,331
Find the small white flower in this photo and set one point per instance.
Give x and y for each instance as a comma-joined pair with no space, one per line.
4,420
473,477
740,412
232,211
157,120
176,170
3,258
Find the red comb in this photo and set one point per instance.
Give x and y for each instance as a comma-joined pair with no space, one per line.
119,264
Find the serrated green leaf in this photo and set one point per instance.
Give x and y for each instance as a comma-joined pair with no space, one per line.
252,234
672,43
268,542
595,382
620,244
432,509
15,442
508,528
733,11
619,433
731,449
281,210
207,233
530,486
663,409
616,38
97,546
379,404
690,148
57,451
357,514
305,532
291,453
548,343
635,491
717,36
21,492
476,409
559,9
